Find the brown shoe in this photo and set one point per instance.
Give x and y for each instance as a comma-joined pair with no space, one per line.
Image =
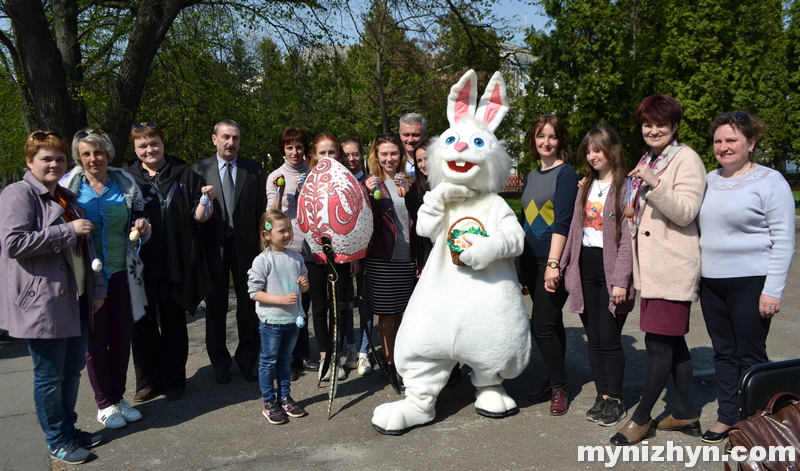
632,433
689,427
559,403
145,394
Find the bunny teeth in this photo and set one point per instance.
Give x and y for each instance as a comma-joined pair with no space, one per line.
460,167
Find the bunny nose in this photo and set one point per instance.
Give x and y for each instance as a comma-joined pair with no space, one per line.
460,146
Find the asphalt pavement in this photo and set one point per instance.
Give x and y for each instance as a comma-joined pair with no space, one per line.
221,427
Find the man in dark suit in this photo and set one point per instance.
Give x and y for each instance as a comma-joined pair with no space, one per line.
231,240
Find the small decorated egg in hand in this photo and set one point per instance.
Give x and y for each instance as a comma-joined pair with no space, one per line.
300,322
97,265
377,193
280,181
134,235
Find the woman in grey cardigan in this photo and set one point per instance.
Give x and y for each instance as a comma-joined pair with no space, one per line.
747,230
49,292
114,204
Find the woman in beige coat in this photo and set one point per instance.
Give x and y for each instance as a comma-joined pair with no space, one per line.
666,192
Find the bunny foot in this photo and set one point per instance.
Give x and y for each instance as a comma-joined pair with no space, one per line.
397,418
494,402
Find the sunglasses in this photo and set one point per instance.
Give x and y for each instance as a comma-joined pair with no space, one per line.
387,137
140,126
41,135
85,134
742,117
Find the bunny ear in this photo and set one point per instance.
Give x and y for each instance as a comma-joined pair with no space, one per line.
494,102
463,97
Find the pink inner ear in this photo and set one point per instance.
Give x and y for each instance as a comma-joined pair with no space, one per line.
493,107
462,102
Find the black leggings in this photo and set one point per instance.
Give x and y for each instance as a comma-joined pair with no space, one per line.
547,319
321,314
666,355
603,329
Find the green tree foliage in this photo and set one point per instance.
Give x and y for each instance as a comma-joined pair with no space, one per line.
65,56
12,135
601,58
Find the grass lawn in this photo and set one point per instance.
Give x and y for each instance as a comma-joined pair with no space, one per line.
796,194
516,205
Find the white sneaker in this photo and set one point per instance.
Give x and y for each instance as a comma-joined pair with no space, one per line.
111,417
364,368
342,374
128,412
351,361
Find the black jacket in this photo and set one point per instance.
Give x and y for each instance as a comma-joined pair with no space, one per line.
174,254
250,201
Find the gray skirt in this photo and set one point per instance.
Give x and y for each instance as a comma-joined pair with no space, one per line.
389,285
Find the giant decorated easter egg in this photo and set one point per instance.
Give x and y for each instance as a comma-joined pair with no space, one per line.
333,204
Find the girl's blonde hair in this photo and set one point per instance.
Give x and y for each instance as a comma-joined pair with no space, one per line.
270,217
373,163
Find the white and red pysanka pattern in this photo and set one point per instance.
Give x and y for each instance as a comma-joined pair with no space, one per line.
333,204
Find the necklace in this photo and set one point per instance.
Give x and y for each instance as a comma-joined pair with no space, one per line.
602,190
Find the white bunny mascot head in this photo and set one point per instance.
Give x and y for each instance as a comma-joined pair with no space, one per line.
468,153
466,308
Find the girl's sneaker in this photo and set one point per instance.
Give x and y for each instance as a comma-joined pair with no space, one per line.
597,409
128,412
292,408
275,413
613,413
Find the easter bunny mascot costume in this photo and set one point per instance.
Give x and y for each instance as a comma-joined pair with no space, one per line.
467,306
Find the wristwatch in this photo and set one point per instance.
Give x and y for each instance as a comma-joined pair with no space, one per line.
552,264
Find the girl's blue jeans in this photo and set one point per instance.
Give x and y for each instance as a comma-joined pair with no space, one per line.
275,362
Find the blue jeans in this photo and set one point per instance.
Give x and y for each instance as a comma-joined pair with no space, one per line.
275,363
366,330
57,365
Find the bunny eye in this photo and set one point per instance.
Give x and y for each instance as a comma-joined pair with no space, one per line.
481,141
450,139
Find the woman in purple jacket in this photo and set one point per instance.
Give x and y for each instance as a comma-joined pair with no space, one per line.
598,268
50,291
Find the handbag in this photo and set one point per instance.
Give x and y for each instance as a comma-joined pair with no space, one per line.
771,427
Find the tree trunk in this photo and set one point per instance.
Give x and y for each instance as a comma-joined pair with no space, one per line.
43,68
65,27
153,20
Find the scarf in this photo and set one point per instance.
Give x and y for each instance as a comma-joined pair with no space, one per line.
69,215
639,189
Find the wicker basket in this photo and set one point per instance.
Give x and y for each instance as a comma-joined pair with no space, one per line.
453,254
